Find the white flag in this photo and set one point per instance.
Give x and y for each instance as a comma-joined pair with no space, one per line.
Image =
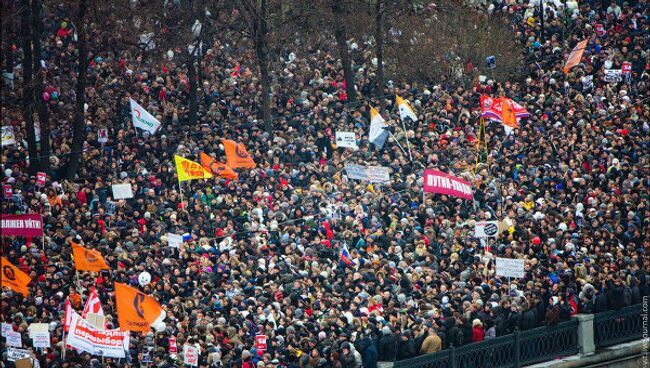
143,119
405,110
378,134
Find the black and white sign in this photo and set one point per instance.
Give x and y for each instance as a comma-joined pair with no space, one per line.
486,229
613,75
347,140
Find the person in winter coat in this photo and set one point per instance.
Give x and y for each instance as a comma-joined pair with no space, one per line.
406,346
368,352
478,333
491,331
601,303
347,356
528,318
553,312
387,345
615,293
432,342
454,335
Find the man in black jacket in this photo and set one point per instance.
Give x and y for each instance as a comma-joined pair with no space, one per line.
406,346
387,345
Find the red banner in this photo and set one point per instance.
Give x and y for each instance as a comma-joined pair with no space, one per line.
22,225
438,182
626,67
9,192
40,179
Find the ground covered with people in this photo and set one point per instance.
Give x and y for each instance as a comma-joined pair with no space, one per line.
262,254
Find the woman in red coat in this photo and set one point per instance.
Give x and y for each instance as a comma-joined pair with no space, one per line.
478,332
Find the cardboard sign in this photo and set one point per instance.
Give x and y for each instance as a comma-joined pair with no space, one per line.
347,140
8,191
507,267
37,327
13,338
14,354
191,355
172,345
174,240
96,320
486,229
40,179
613,75
41,339
122,191
626,67
599,29
102,135
260,342
8,137
24,363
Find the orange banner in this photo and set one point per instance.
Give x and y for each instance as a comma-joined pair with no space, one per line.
14,279
217,168
575,56
237,156
136,311
88,259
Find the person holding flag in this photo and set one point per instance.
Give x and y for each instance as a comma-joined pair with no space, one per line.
136,311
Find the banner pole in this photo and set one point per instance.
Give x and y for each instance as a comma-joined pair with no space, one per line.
398,144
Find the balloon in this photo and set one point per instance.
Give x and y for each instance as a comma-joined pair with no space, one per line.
46,96
159,326
144,278
537,240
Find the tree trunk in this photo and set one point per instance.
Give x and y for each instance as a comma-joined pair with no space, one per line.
28,84
191,75
341,40
379,39
79,129
41,105
261,51
8,36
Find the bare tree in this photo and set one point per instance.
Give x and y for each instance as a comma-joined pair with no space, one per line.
28,84
79,120
41,105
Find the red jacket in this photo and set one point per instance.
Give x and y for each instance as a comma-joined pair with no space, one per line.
478,334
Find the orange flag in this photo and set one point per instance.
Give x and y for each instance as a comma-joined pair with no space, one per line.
508,113
217,168
237,156
575,56
88,259
136,311
14,279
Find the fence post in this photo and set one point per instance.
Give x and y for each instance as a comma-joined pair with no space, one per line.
452,356
517,349
586,333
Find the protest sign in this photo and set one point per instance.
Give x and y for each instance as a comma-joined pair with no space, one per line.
24,363
374,174
346,139
108,343
96,320
22,225
6,327
174,240
190,355
14,354
8,191
37,327
378,174
599,28
40,179
507,267
613,75
13,338
626,67
122,191
8,137
260,342
486,229
438,182
41,339
102,135
172,345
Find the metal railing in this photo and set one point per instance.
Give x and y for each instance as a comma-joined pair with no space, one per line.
510,351
618,326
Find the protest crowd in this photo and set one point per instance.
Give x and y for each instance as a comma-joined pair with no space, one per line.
331,270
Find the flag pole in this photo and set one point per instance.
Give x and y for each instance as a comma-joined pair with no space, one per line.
408,143
398,144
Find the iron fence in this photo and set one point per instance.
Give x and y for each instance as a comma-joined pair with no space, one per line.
615,327
510,351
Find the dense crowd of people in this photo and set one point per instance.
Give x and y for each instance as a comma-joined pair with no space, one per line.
569,189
